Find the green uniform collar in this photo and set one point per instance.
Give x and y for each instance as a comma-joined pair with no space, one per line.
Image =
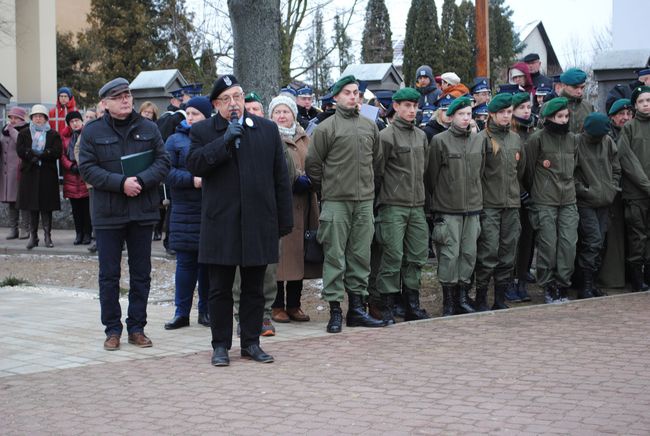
457,131
571,99
347,112
402,124
641,116
496,129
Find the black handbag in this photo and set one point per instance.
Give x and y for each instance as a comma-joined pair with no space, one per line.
313,249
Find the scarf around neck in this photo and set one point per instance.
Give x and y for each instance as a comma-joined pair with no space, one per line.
39,134
287,131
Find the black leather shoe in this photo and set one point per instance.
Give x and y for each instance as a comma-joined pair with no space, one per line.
335,324
204,319
220,357
256,353
177,322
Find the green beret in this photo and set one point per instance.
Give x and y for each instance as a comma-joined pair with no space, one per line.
346,80
597,124
520,98
637,92
619,105
457,104
252,96
554,105
499,101
406,94
573,77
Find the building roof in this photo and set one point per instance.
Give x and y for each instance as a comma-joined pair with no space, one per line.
163,79
377,76
5,95
621,59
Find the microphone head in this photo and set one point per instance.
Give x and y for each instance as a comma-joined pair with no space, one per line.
233,116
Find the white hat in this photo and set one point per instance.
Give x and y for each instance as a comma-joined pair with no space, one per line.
516,73
285,100
451,78
39,109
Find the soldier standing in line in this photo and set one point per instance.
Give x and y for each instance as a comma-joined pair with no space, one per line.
551,160
402,229
342,161
573,88
454,177
505,164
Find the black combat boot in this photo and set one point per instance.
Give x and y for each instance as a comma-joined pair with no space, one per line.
381,308
522,290
646,273
551,294
596,290
481,304
638,282
357,316
512,293
586,291
335,324
500,296
412,305
47,229
464,305
398,307
448,304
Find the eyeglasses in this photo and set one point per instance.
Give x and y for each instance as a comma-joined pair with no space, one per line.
235,97
121,97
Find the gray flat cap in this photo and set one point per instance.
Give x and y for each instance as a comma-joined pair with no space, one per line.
114,87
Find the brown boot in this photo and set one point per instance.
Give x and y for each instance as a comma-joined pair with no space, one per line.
278,314
296,314
112,343
139,339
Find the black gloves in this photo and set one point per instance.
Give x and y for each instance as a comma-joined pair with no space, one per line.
234,130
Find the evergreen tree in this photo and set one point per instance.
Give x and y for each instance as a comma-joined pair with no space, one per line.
422,39
468,16
447,24
316,54
343,44
458,52
376,42
504,41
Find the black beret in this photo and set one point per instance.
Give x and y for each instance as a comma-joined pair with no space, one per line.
221,84
72,116
637,92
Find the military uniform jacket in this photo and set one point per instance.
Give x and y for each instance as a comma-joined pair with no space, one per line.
456,163
404,149
344,156
550,162
579,109
598,172
503,170
634,155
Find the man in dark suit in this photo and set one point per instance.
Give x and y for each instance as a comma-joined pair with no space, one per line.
246,209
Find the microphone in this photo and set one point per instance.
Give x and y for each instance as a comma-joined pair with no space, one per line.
235,119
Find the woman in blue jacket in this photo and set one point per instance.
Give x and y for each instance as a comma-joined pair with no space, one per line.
185,220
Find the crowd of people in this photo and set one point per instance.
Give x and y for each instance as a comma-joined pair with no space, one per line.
254,202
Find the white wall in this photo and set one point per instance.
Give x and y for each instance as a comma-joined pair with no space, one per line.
8,72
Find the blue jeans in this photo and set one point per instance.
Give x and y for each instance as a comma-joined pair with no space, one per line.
109,250
188,271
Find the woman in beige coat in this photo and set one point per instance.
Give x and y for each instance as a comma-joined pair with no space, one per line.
292,268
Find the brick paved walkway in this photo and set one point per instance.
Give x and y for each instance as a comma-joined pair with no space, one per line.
577,368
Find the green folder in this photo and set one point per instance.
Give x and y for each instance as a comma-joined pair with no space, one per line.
133,164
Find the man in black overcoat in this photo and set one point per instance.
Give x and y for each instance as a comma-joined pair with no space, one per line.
246,209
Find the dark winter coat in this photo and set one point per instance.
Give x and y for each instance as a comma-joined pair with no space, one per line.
185,218
305,116
38,189
620,91
9,163
433,128
246,192
73,184
101,148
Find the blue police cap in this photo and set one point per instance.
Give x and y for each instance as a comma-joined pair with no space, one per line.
178,93
385,97
543,89
481,109
193,89
643,72
444,102
480,85
288,90
305,91
508,88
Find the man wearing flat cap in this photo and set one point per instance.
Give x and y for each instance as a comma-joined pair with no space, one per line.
342,162
573,87
535,67
246,209
402,229
124,205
